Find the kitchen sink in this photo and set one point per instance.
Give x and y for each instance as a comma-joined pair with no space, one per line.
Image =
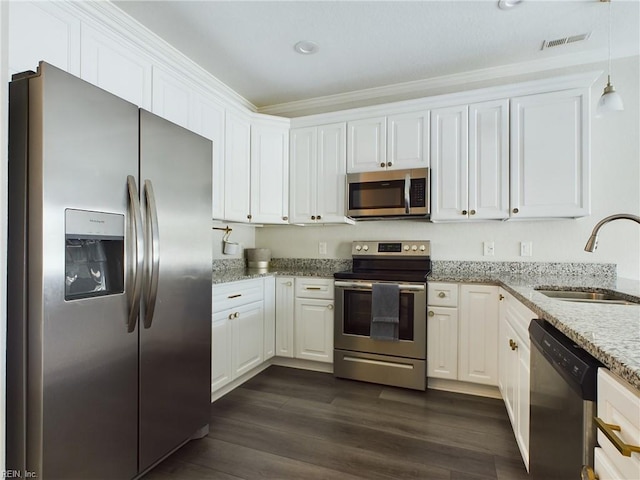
590,296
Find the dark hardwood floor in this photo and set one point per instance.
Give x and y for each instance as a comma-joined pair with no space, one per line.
296,424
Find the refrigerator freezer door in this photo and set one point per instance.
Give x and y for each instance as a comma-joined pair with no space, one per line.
175,345
80,363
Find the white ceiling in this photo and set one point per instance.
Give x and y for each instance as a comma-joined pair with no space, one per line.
248,45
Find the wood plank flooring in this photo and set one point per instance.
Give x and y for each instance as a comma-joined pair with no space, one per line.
296,424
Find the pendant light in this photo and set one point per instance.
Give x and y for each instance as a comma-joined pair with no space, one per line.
610,101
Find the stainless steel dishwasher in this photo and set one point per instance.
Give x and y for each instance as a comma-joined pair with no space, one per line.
563,394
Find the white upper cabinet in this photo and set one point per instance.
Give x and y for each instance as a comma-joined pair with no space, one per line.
42,31
115,66
237,167
367,145
172,98
408,140
470,162
388,143
550,155
318,174
269,171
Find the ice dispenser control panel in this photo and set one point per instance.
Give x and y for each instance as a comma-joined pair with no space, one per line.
94,254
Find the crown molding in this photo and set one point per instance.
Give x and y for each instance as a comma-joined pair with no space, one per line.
106,15
430,86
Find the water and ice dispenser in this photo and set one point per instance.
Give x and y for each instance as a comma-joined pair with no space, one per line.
94,254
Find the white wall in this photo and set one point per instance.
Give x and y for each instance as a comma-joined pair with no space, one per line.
242,234
615,159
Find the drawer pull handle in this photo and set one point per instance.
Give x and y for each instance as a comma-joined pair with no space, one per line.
442,294
235,296
608,429
312,288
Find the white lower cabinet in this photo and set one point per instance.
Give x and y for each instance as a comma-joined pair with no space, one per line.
269,317
514,353
238,330
619,411
285,297
462,330
313,319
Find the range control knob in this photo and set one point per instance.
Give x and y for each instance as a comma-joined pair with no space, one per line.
365,248
358,248
406,248
422,248
414,248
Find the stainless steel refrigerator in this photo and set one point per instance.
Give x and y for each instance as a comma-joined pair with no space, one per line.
109,286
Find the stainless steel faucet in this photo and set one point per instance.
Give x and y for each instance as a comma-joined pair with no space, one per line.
592,243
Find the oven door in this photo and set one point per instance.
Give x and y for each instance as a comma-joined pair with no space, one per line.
353,320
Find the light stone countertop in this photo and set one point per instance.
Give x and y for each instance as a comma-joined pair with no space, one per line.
609,332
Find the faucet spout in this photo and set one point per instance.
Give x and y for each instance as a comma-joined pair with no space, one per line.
592,243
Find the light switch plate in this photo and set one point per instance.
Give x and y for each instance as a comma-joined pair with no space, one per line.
526,249
322,248
488,249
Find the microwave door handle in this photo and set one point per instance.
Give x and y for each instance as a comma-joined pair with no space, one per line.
407,193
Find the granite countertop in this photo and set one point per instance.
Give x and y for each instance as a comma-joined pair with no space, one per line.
609,332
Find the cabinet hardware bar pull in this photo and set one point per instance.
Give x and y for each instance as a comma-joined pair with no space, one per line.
369,286
235,296
312,288
608,429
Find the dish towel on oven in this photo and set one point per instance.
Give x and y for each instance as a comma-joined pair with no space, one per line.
385,308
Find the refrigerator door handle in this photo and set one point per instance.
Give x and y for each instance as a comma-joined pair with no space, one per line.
138,263
153,262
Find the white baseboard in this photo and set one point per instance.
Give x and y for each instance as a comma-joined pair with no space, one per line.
455,386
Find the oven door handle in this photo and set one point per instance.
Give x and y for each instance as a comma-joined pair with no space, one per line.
369,286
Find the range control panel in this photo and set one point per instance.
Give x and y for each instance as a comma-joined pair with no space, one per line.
409,248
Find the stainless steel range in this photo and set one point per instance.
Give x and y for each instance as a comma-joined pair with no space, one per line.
380,333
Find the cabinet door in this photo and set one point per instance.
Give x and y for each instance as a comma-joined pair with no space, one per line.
284,316
408,140
303,179
550,159
221,335
42,31
489,160
314,329
237,167
449,163
172,99
522,396
248,337
331,178
208,121
116,67
478,332
508,370
269,174
367,145
442,342
269,317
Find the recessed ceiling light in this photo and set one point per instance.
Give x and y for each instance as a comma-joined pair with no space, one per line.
306,47
507,4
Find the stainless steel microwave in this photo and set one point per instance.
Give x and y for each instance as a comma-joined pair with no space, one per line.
388,194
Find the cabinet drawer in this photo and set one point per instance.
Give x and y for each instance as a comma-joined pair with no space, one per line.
442,294
312,287
619,404
231,295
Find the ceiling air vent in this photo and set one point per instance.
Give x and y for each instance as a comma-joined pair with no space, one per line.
565,40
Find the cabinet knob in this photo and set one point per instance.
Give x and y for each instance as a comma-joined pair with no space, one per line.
515,210
382,164
330,307
513,344
285,218
319,217
249,216
464,212
288,284
389,164
431,313
442,294
231,316
501,297
236,315
472,212
313,217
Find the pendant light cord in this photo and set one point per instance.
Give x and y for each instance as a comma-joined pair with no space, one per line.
609,74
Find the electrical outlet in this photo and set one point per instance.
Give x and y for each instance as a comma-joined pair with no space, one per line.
322,248
526,249
488,249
